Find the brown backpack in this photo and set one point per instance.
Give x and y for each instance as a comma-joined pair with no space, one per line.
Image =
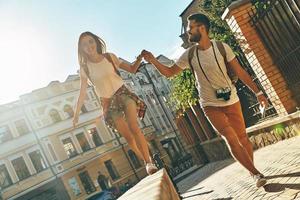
233,77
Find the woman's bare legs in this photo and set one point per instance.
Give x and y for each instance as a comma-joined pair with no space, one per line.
122,127
141,142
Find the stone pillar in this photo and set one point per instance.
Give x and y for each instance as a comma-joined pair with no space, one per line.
238,19
204,123
191,138
196,125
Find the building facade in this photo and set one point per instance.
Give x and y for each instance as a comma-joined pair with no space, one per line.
43,157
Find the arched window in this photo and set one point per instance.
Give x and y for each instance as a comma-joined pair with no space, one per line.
83,109
135,161
55,116
68,109
149,100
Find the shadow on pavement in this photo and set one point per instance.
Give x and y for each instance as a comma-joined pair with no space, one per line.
202,174
229,198
278,187
194,189
296,174
193,195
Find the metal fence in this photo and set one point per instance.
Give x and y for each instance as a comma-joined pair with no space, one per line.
278,24
249,103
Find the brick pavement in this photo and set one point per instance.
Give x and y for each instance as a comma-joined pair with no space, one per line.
227,179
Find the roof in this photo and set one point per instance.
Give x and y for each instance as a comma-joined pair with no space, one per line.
186,8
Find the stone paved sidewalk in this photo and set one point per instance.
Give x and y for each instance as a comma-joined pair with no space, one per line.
227,179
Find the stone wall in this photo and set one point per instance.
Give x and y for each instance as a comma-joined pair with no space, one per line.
274,130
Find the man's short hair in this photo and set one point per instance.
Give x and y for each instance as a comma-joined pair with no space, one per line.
200,18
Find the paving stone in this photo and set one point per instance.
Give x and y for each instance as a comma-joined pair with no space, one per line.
279,162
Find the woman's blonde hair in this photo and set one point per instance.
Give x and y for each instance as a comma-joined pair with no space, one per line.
82,57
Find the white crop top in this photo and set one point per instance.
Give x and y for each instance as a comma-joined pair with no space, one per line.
104,77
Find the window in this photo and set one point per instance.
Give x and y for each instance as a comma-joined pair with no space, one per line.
83,109
112,170
161,122
135,161
22,127
37,161
20,168
95,136
87,182
55,116
92,95
166,121
153,98
69,147
5,180
154,123
52,152
5,134
141,81
84,144
149,100
154,146
169,146
68,109
74,186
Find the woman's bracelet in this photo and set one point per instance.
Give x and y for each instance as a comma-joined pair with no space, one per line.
259,93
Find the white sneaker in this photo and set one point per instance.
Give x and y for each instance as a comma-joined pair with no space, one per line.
151,168
260,180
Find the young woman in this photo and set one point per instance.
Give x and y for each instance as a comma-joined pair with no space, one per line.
120,106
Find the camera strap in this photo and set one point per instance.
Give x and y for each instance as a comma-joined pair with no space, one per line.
197,54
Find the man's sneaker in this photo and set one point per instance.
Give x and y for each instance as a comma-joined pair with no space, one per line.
260,180
151,168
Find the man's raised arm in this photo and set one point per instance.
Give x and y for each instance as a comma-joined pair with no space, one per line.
163,69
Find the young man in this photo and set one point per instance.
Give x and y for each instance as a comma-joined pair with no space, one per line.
217,93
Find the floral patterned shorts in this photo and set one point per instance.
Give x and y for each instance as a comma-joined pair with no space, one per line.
117,103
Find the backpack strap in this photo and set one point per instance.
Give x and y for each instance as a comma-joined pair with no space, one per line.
222,50
234,78
191,52
110,59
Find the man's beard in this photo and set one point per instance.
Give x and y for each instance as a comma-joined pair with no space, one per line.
195,37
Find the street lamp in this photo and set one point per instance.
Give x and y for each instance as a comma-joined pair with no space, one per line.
162,106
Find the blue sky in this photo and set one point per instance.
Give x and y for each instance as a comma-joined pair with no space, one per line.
39,38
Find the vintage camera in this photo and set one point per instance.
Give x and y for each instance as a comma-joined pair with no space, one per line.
223,93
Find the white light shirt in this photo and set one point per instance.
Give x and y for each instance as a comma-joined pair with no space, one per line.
207,91
104,77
